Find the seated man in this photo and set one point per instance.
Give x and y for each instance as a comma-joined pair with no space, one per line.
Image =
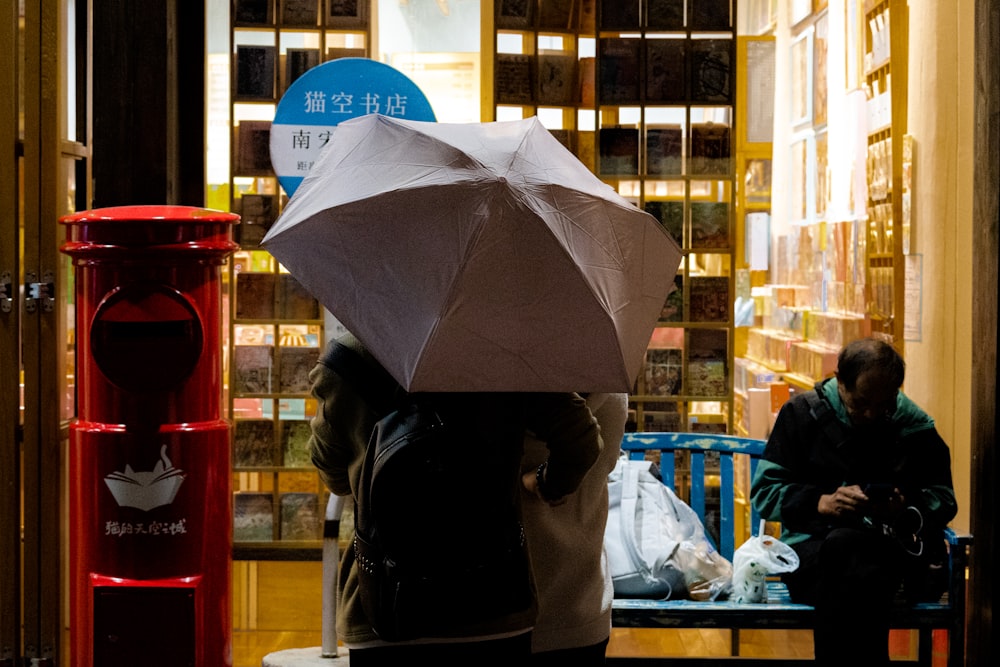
861,482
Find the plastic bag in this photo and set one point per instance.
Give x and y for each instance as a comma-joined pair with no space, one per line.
655,542
754,560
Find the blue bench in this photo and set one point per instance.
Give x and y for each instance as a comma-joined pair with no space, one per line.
714,478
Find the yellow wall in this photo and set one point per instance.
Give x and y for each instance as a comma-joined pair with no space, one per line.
940,119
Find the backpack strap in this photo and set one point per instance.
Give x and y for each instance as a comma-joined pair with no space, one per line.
375,385
824,415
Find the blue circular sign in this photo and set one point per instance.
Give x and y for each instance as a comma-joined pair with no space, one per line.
325,96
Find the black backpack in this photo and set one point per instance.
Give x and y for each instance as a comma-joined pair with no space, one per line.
438,540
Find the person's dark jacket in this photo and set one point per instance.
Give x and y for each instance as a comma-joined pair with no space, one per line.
340,435
813,450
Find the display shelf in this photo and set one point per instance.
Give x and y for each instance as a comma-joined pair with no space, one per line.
665,96
885,72
543,65
652,114
275,330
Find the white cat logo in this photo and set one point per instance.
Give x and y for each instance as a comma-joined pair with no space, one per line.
146,490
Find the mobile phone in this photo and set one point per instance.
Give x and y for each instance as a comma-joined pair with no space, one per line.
878,491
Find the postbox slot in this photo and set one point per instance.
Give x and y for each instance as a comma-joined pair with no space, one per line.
146,337
144,625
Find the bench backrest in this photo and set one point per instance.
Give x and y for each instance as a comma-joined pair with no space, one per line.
737,460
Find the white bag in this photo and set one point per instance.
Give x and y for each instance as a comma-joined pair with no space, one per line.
754,560
655,542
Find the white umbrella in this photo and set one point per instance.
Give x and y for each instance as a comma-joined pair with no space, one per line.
477,257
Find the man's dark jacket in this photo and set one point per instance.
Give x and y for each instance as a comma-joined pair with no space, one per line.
813,449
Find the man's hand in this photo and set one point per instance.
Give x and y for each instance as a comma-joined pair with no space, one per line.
845,500
849,500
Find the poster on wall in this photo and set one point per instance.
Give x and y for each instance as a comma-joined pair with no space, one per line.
802,78
819,82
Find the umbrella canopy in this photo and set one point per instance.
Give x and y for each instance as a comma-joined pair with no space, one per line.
477,257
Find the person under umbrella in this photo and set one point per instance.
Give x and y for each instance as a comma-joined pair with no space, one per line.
340,437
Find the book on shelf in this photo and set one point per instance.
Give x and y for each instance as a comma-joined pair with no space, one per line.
666,73
516,14
558,14
255,296
717,427
710,149
294,366
253,517
335,52
253,148
253,366
347,13
673,306
255,71
295,434
708,298
257,212
670,214
706,377
619,14
556,81
298,62
709,15
664,150
661,421
513,77
619,71
300,13
252,12
709,225
618,149
758,180
781,391
294,301
253,334
665,14
662,371
300,517
253,443
706,367
711,70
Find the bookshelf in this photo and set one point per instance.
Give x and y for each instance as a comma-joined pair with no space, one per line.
543,64
665,97
275,328
884,64
652,114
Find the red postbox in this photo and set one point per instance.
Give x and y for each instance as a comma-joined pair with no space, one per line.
149,464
